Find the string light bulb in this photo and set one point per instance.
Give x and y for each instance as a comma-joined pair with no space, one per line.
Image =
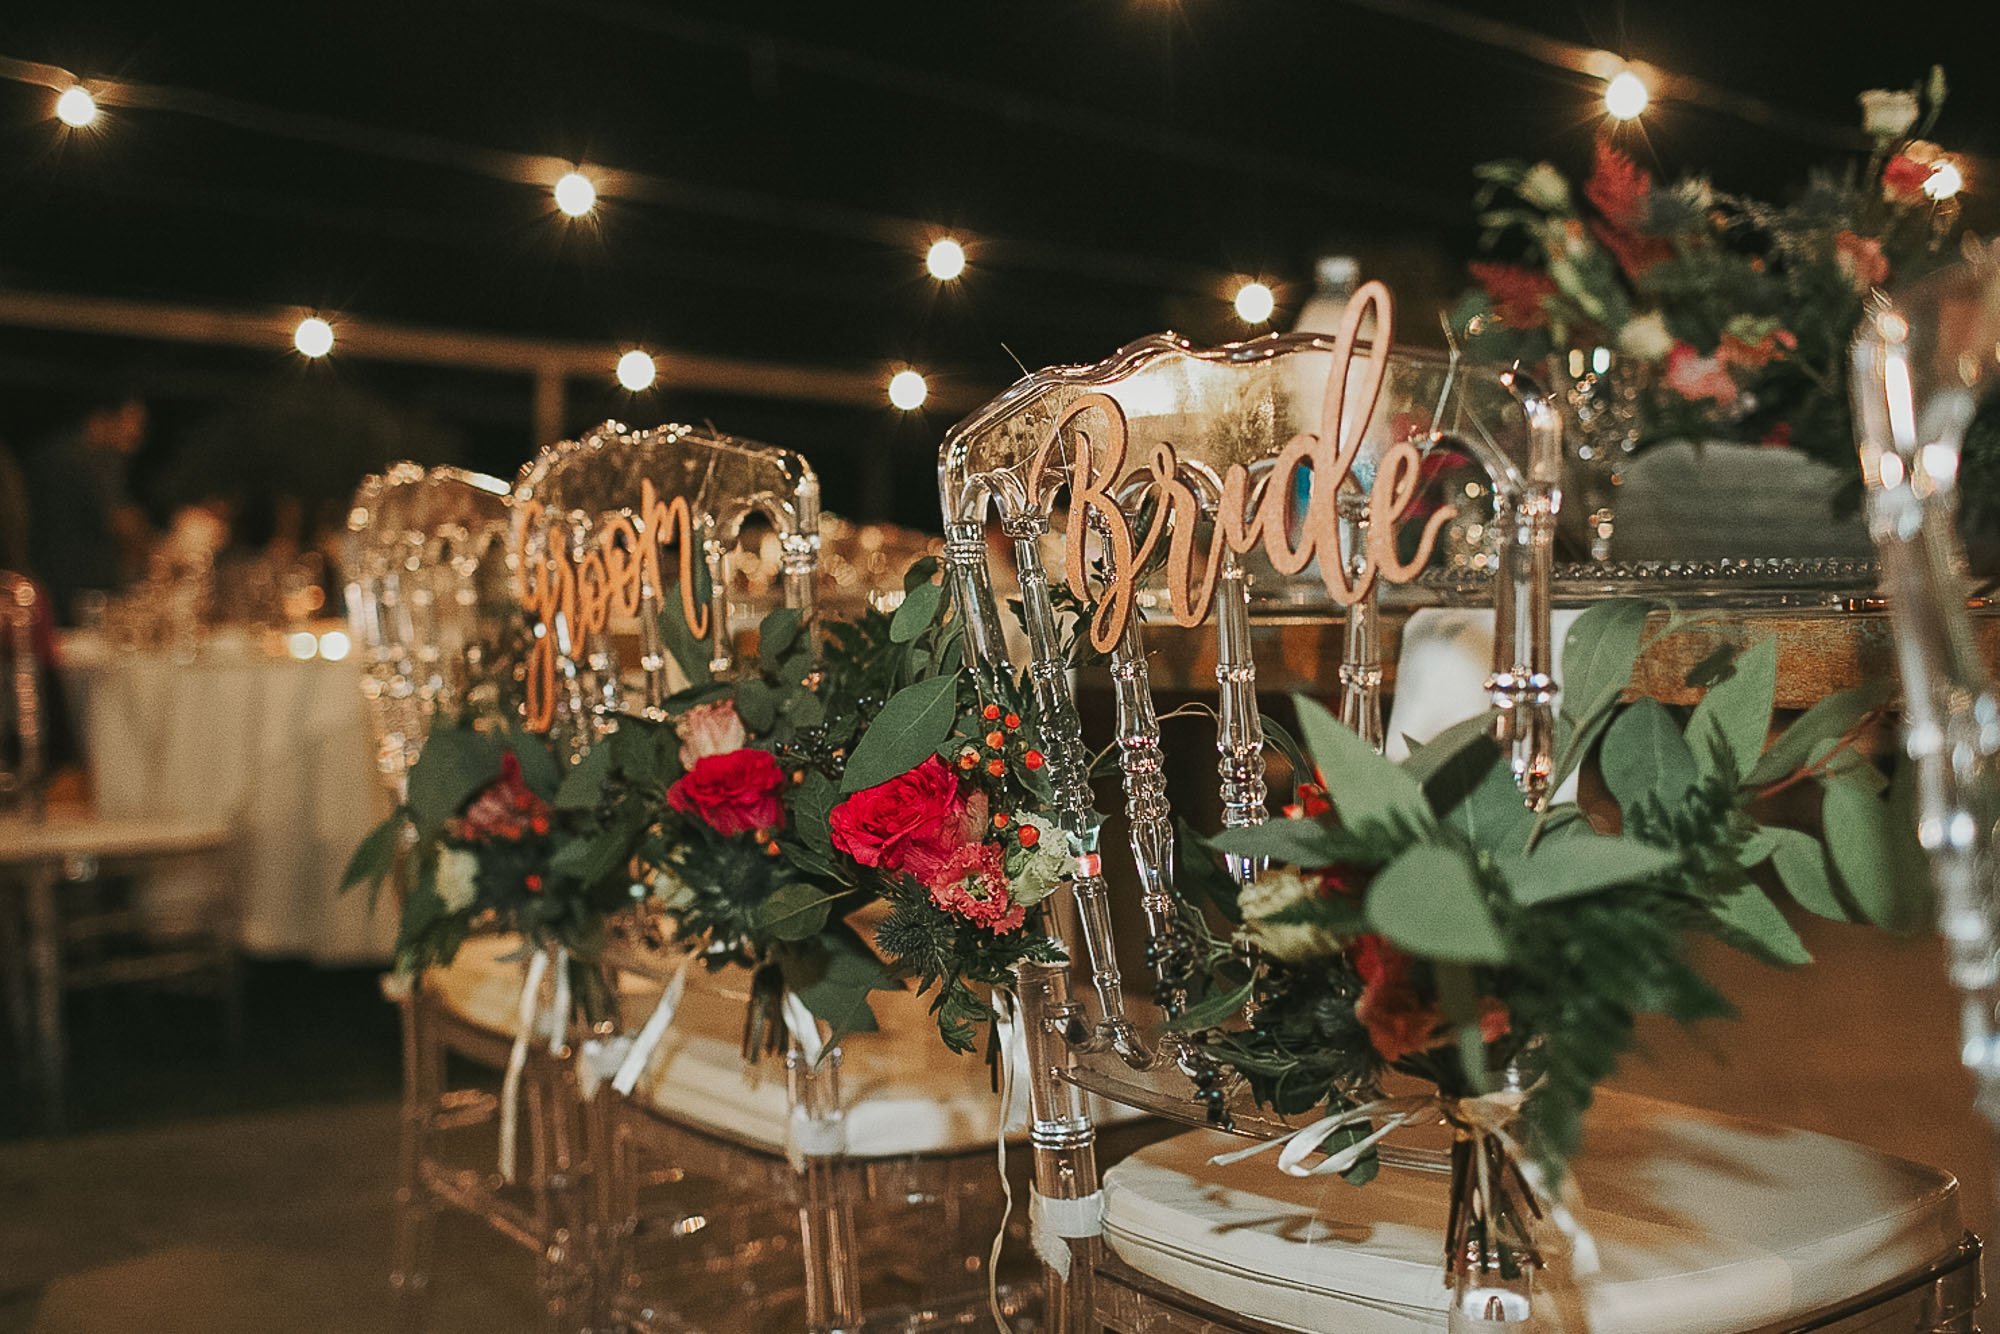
1626,95
1254,303
637,370
576,194
945,260
1944,181
313,338
908,390
75,107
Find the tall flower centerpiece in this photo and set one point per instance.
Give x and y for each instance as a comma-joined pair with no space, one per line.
1729,317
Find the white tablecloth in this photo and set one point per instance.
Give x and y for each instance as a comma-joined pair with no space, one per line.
277,748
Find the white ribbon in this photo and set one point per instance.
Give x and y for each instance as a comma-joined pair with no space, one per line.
1006,1032
517,1059
598,1060
559,1008
1488,1114
1053,1223
641,1049
809,1134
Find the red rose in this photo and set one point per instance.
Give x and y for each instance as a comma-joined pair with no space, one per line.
1399,1020
915,816
505,808
1903,179
735,792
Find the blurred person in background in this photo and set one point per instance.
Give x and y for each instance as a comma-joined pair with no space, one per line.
84,532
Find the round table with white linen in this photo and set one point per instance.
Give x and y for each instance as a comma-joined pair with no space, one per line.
274,745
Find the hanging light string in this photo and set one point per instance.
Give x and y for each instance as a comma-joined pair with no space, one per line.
546,172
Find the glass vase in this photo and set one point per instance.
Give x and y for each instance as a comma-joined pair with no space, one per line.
1490,1256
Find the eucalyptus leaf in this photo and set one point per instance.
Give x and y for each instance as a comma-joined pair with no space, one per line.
757,704
1800,862
1363,787
1730,725
1569,867
804,708
1428,902
1454,761
1493,815
1835,763
375,857
1858,835
812,802
777,636
692,655
1750,920
1303,842
455,765
1599,653
833,972
922,570
1644,755
908,730
919,609
539,768
1825,721
583,785
1212,1011
636,752
794,912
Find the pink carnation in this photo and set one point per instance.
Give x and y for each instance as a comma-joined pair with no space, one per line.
1695,377
972,883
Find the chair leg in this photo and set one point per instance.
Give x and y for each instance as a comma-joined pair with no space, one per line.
416,1212
14,970
553,1102
827,1247
45,950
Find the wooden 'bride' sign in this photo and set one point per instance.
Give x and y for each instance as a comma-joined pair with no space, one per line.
619,567
1103,493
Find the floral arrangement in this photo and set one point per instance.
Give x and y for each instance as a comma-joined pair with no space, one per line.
487,846
716,813
1419,919
944,812
1739,311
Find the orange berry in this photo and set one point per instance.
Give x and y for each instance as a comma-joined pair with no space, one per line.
1033,759
967,760
533,882
990,712
540,824
1030,836
996,767
995,740
1012,720
999,819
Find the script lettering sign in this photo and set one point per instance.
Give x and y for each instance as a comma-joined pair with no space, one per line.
620,565
1101,471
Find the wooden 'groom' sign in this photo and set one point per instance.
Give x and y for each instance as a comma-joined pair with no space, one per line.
1102,496
619,566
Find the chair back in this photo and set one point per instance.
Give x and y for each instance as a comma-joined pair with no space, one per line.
427,599
23,743
1924,375
1298,451
619,529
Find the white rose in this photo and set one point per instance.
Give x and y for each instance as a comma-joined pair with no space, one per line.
1545,188
1646,338
1037,871
710,729
669,890
1291,942
1888,113
457,878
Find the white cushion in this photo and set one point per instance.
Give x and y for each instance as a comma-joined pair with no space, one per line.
1705,1223
904,1092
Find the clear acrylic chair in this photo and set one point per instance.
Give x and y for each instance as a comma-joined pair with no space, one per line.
43,850
1926,393
428,599
1166,1241
737,1194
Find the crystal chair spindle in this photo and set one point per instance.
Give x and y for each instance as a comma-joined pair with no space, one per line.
1222,1244
424,564
1923,373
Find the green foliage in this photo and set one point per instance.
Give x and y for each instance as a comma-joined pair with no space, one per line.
910,728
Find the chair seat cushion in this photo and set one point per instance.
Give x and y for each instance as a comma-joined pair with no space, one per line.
904,1092
1704,1223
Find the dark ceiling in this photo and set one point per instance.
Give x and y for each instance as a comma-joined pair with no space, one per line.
1123,158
